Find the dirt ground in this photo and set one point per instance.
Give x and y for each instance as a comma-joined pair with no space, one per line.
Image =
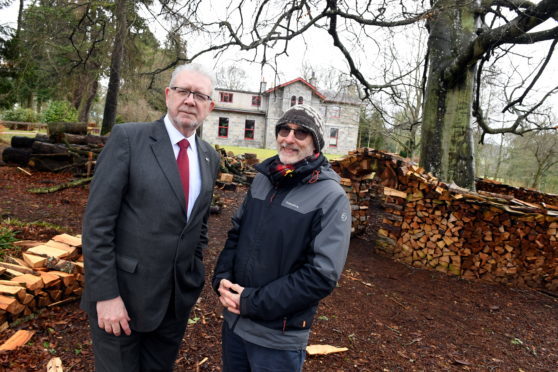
390,316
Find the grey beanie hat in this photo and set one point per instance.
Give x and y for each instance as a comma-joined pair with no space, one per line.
308,118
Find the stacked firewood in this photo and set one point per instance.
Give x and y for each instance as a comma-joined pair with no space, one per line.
522,193
416,219
47,274
66,147
236,169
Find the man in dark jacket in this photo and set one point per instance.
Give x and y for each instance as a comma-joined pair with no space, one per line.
285,252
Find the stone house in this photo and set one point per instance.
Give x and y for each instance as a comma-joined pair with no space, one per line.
247,118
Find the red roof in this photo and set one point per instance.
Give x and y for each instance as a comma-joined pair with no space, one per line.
294,81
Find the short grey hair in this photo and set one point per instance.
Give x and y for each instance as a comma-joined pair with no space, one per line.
195,67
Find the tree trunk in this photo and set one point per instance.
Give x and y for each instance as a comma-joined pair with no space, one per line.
87,101
447,139
111,103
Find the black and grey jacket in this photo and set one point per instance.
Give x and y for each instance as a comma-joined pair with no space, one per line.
287,248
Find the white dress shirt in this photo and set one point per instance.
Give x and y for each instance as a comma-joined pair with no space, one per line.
193,160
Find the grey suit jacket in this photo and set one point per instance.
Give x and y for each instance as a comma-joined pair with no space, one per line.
137,243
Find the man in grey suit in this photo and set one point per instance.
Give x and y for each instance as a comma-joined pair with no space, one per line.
144,230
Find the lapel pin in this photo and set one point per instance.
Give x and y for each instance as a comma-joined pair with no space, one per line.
206,159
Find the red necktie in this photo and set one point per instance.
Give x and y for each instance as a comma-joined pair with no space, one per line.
184,167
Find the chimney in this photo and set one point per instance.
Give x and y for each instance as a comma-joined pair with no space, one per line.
313,80
263,85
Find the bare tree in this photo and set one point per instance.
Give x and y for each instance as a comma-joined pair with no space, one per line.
463,36
231,77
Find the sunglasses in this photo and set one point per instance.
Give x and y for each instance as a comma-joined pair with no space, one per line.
300,134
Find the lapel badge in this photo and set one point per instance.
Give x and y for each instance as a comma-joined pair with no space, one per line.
206,159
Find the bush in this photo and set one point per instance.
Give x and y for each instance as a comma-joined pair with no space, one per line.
21,114
60,111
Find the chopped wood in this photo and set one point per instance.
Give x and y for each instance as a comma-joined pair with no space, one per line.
66,247
13,290
17,261
32,282
62,265
68,239
17,268
55,365
324,349
393,192
20,338
10,305
50,280
48,251
34,261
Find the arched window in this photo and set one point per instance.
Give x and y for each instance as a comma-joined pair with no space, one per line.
293,100
300,100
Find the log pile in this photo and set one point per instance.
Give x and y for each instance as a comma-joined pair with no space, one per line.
236,169
417,219
522,193
67,147
46,274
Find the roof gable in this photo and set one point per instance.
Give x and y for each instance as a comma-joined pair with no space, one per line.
301,80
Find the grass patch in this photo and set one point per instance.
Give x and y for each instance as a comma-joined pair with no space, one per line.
7,238
7,134
18,223
264,153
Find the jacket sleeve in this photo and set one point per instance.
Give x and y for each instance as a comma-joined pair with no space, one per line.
225,263
99,223
316,278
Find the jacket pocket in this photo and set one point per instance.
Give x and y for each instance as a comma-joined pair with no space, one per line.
126,263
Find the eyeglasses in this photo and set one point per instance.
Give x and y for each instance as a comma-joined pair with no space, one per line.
300,134
185,93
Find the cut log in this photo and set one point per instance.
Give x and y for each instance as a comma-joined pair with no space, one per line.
47,251
34,261
16,261
68,239
10,305
12,290
388,191
62,265
67,279
57,130
59,245
50,280
17,268
32,282
20,338
18,156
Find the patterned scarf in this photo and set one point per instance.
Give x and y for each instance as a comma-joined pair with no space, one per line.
306,170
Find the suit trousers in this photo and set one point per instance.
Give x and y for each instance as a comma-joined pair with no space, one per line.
141,351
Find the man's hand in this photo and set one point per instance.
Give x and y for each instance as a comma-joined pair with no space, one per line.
230,295
113,317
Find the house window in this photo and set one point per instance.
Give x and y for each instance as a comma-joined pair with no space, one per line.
256,100
226,97
293,100
300,100
223,131
249,126
333,134
334,112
